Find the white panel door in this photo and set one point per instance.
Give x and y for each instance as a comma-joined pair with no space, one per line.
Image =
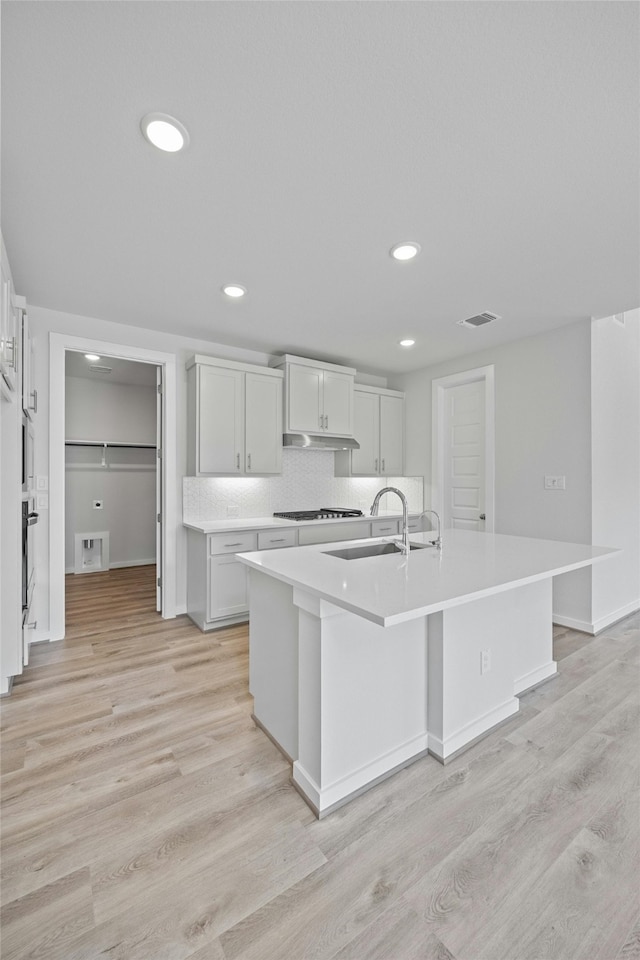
391,436
305,399
263,424
464,493
159,507
220,420
366,429
338,404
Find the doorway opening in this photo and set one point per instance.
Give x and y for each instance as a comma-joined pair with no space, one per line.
113,486
119,459
463,449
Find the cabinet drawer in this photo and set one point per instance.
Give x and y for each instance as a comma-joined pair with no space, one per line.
415,525
272,539
232,542
384,528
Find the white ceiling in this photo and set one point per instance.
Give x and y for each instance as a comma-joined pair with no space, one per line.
132,372
502,136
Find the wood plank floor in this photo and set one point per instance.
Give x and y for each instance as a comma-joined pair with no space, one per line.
144,817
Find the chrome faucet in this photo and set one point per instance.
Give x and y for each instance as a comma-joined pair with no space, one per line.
438,541
405,512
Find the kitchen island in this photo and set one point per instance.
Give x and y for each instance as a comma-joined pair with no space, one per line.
361,666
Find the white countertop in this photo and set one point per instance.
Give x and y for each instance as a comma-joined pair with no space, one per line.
262,523
395,588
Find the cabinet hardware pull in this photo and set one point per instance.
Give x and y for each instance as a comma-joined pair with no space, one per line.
34,394
239,544
32,626
248,461
279,540
326,421
376,467
483,516
321,422
238,460
383,465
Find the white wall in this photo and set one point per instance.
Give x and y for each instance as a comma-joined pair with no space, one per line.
126,485
543,426
615,458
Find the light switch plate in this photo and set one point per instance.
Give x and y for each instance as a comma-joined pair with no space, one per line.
42,483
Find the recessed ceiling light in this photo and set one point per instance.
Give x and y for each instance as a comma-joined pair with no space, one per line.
406,343
164,132
406,250
91,356
234,290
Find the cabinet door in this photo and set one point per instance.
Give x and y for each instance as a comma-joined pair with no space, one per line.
366,429
228,587
338,403
263,424
220,427
305,399
29,392
391,436
8,334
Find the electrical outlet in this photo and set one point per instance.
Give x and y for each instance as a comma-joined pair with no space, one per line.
98,504
42,501
42,483
233,510
485,661
554,483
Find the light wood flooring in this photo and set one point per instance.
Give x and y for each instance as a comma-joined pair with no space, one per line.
144,817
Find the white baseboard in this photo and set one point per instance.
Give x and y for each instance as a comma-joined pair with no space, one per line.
584,626
535,677
117,564
443,749
597,626
323,798
616,615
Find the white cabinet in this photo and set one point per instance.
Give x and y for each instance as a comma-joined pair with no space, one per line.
8,334
29,391
379,429
234,418
318,396
228,587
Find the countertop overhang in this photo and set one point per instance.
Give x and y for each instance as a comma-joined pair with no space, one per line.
267,523
392,589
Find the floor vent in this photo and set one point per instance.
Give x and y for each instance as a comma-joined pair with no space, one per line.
479,320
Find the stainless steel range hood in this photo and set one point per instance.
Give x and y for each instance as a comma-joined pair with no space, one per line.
308,441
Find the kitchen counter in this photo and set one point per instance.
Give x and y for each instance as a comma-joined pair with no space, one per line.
391,589
266,523
360,667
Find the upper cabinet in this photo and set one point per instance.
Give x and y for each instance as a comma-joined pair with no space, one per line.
9,331
234,414
379,429
318,396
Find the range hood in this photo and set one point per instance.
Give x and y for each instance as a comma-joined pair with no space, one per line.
308,441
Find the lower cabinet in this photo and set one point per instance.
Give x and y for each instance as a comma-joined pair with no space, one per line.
218,583
228,587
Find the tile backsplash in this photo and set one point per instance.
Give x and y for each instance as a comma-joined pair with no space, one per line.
307,482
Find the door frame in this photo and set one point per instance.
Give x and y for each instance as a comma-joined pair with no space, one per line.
58,345
439,388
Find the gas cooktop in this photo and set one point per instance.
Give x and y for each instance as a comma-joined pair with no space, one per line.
324,513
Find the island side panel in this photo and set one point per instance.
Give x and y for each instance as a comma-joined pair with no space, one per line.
273,659
467,699
363,700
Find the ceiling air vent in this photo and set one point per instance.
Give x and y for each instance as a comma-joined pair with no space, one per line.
96,368
479,320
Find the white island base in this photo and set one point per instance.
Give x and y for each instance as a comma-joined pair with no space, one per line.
350,702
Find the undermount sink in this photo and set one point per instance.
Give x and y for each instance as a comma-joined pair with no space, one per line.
373,550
